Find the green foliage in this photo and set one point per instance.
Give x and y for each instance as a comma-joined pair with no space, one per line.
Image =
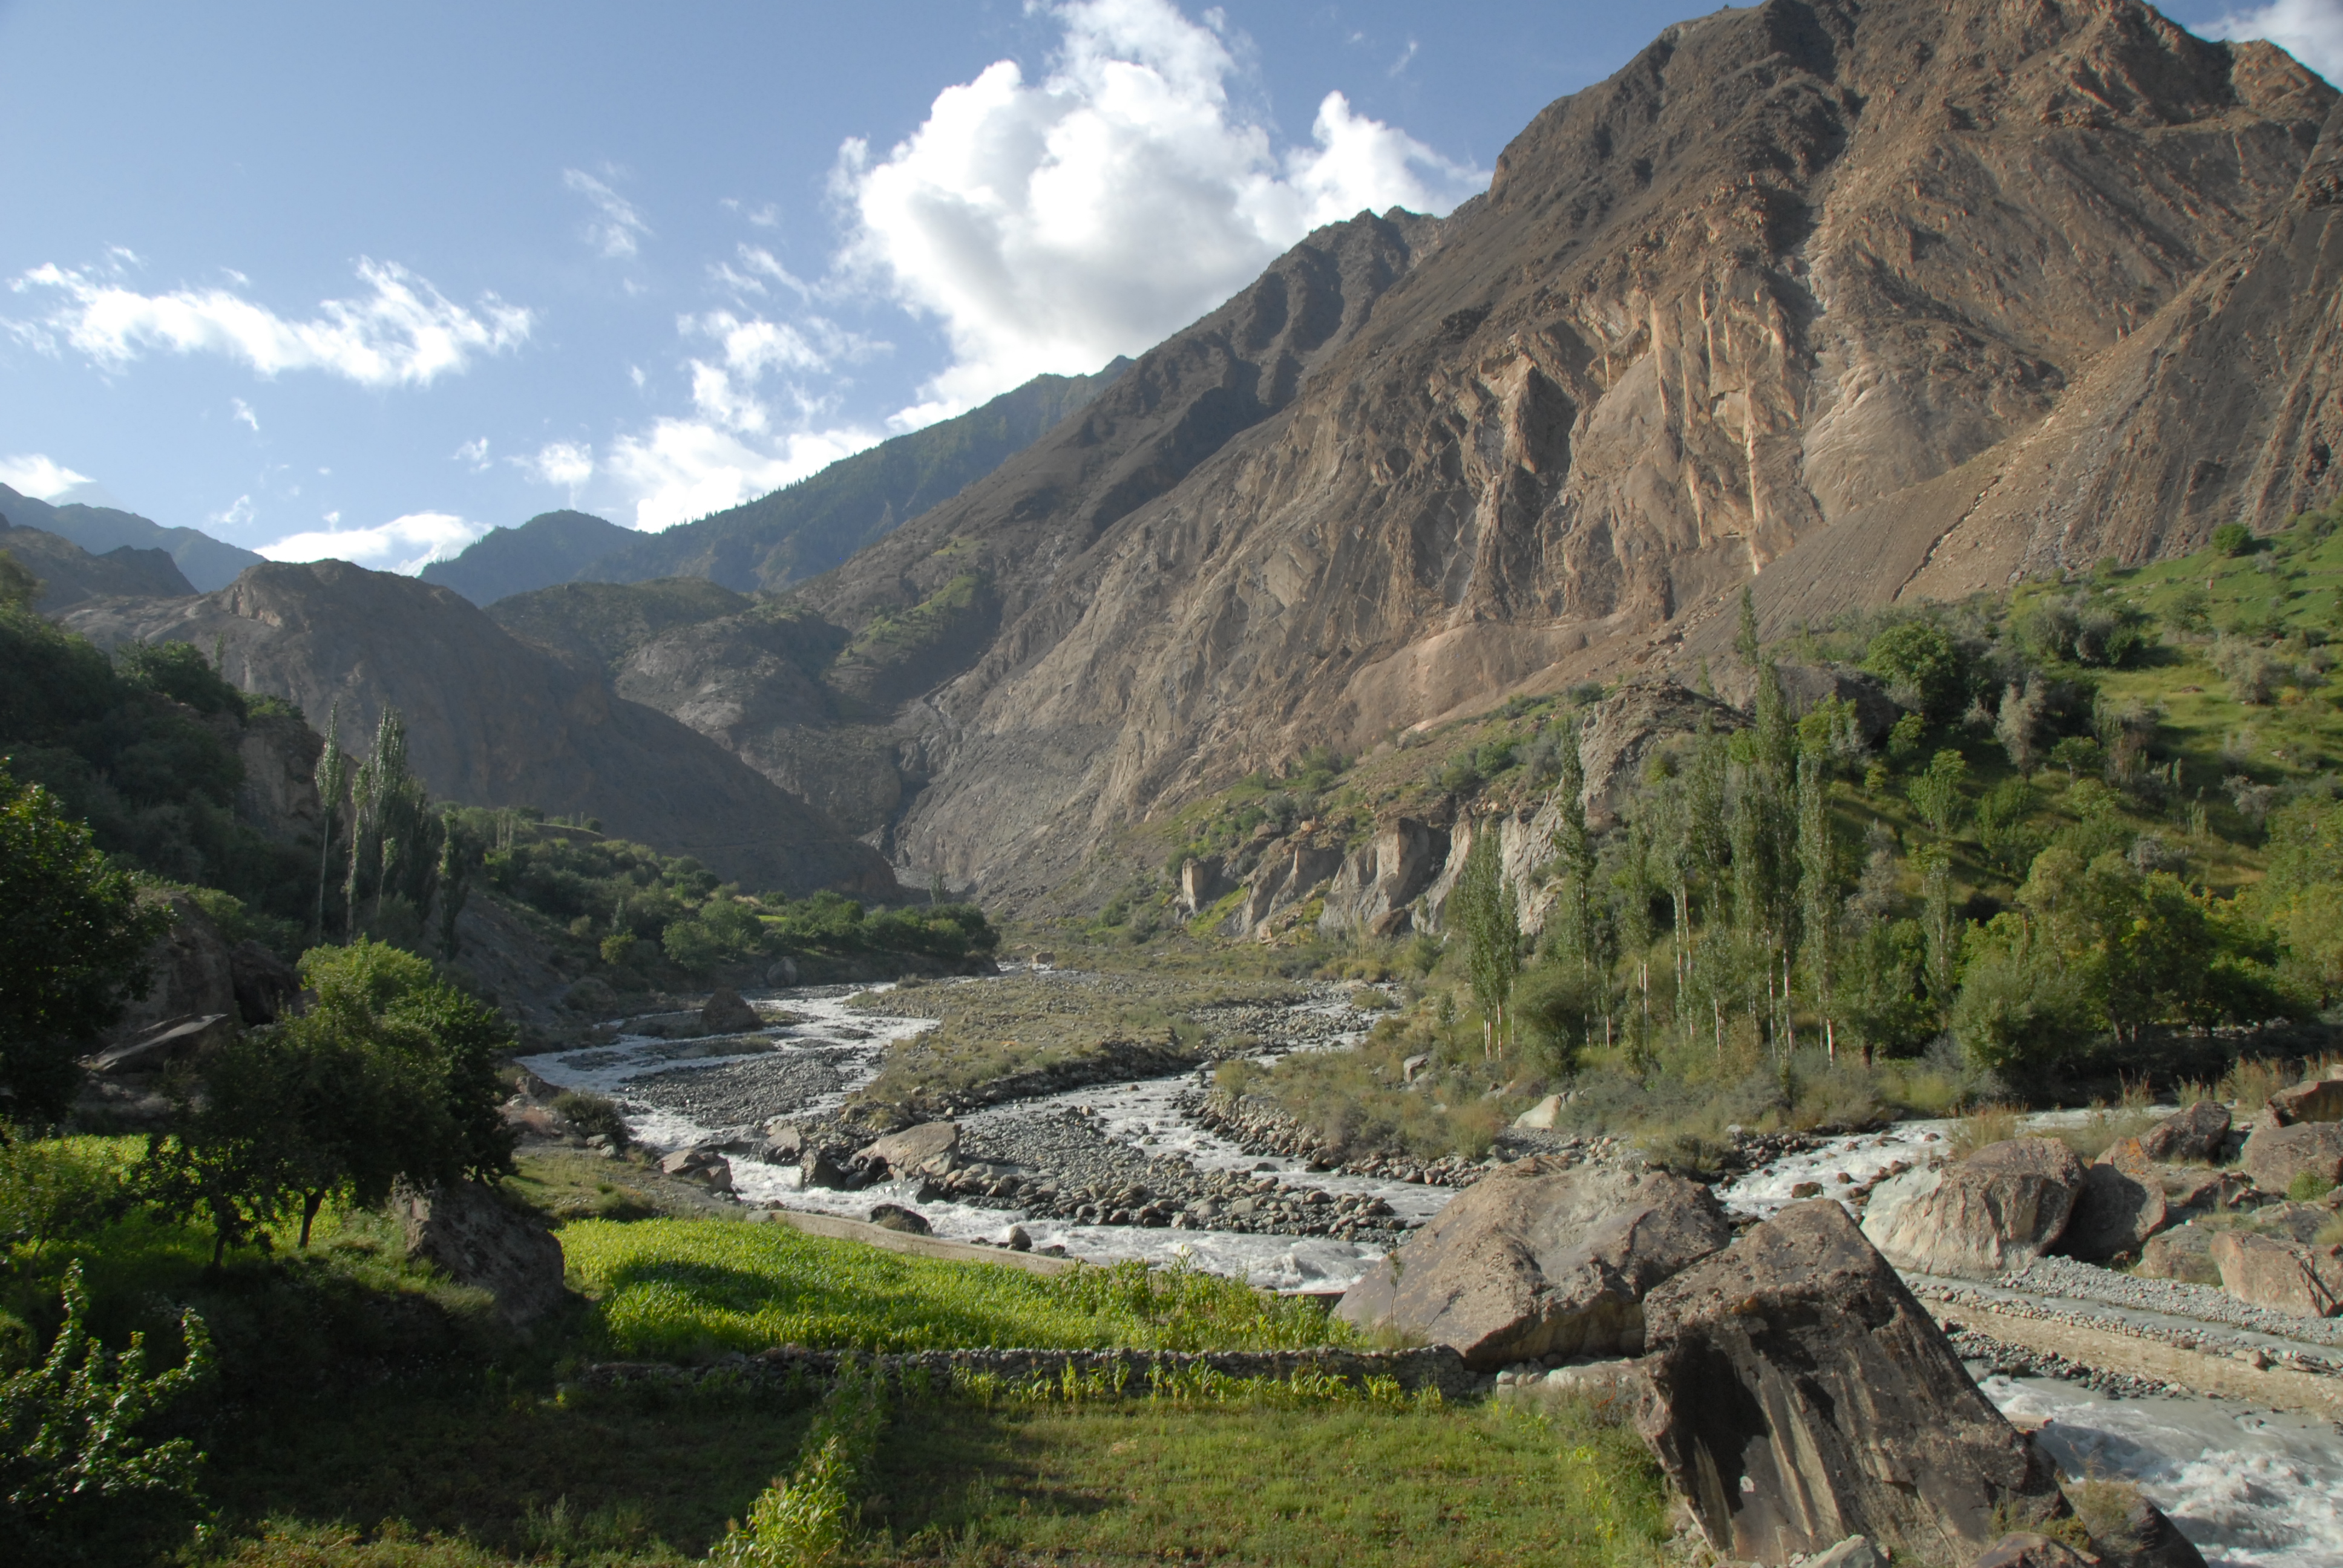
679,1287
78,1482
2097,631
805,1518
73,938
1483,909
142,748
18,587
1936,793
1923,666
2232,540
391,1075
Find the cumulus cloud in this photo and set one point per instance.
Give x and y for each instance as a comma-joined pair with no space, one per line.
684,468
475,453
615,233
404,545
565,465
402,332
244,415
34,474
1051,225
2309,30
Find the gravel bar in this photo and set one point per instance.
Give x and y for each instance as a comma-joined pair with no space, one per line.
2174,1298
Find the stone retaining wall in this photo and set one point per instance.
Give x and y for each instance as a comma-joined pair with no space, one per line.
1432,1367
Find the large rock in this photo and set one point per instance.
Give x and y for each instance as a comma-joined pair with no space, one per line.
2142,1538
2275,1155
705,1165
2196,1132
930,1149
2285,1276
1377,883
478,1240
727,1013
1802,1395
2024,1549
2184,1252
2314,1099
189,970
267,988
1998,1209
2121,1204
1537,1258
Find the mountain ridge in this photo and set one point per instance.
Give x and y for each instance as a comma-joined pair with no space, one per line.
206,562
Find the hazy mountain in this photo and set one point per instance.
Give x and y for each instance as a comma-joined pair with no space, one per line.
70,575
1854,299
492,721
599,624
819,521
208,563
550,547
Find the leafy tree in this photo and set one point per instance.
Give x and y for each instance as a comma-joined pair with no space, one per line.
1936,793
2232,540
1484,913
74,936
77,1482
1922,666
18,587
2021,1007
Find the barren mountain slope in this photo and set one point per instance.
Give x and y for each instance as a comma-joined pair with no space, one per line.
492,721
1795,265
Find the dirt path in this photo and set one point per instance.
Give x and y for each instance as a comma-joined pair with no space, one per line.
2223,1375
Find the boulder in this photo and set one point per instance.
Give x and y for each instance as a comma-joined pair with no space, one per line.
785,1143
895,1217
1540,1117
2024,1549
2277,1154
930,1149
267,988
784,971
702,1165
1801,1395
821,1168
189,970
2185,1252
470,1233
1855,1552
1539,1258
2197,1132
2121,1204
2284,1276
167,1044
1998,1209
2142,1538
2314,1099
726,1013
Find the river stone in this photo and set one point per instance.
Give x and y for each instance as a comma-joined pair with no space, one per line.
2275,1155
702,1165
2284,1276
2024,1549
929,1148
2185,1252
1540,1117
727,1013
2144,1538
1998,1209
1539,1258
1802,1395
477,1238
895,1217
2197,1132
2313,1100
1855,1552
2120,1207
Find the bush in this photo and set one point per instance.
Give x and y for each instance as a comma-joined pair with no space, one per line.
2232,540
1923,666
77,1481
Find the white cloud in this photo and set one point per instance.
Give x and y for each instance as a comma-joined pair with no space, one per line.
243,413
35,474
474,453
1051,226
404,332
685,469
403,545
565,465
769,216
615,233
2309,30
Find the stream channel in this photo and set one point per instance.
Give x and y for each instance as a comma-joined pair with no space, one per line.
2249,1485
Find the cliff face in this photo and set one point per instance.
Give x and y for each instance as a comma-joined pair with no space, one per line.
1851,299
492,721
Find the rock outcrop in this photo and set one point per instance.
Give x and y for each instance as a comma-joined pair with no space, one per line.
477,1239
189,971
1540,1260
2314,1099
493,722
1997,1209
2286,1276
2275,1155
2198,1131
1802,1395
2120,1206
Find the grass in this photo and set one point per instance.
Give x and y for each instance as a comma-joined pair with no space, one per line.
679,1289
1338,1485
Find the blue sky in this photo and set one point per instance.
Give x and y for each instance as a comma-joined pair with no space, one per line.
363,280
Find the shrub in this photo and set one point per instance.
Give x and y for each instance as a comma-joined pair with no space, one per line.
805,1518
1923,666
2232,540
77,1481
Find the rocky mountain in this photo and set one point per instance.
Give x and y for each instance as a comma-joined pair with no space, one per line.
550,547
1851,300
70,574
492,721
208,563
816,523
